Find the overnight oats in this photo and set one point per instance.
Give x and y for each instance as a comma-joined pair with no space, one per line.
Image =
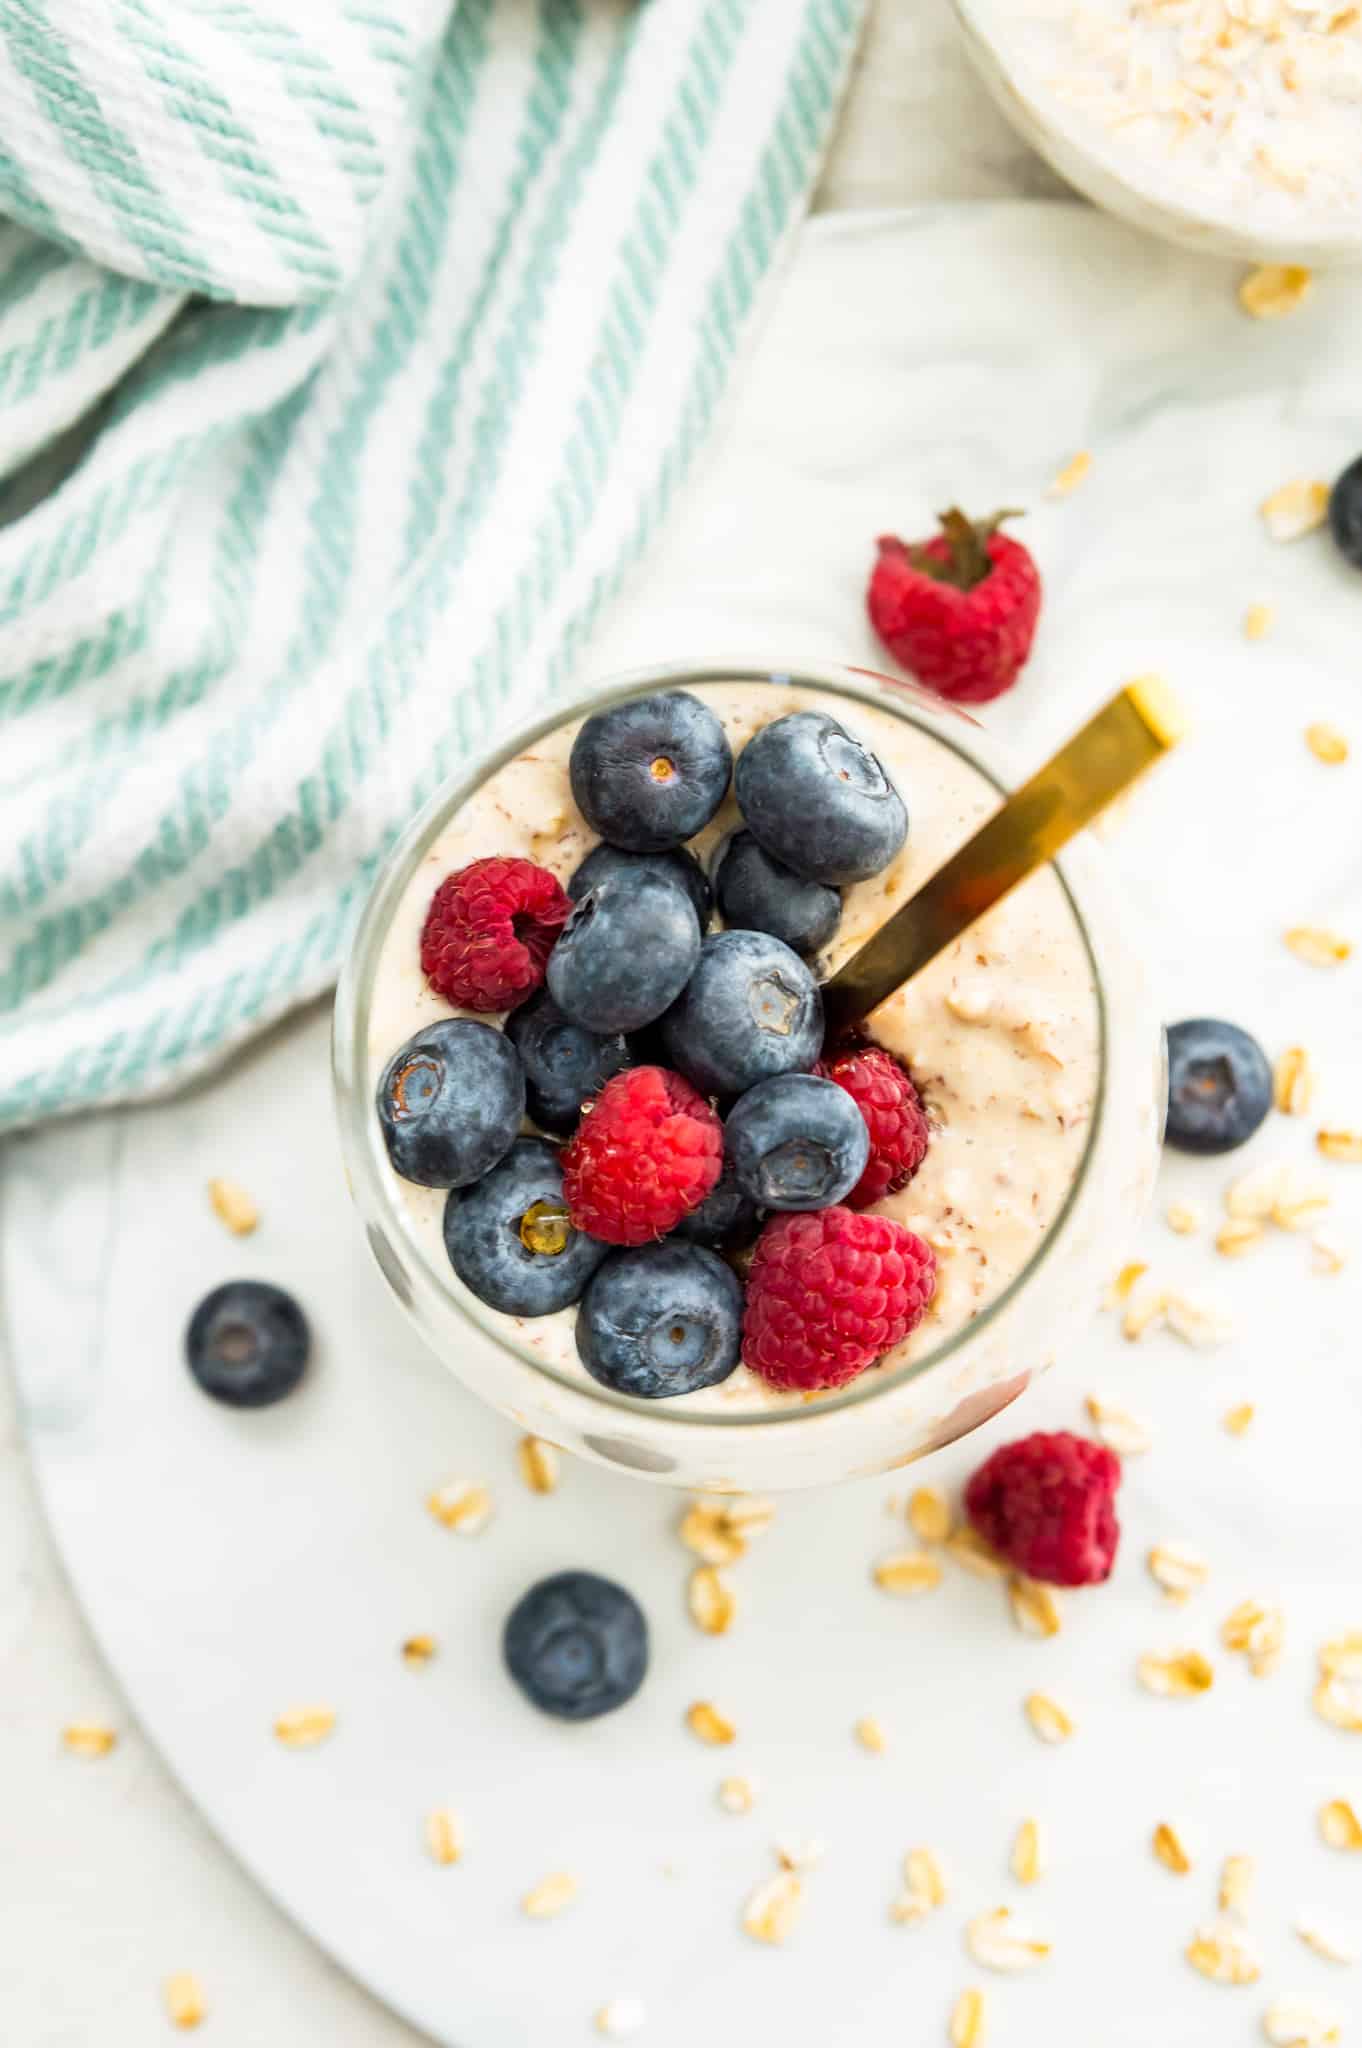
607,1159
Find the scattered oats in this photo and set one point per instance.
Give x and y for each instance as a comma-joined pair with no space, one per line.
304,1727
233,1206
1295,509
1236,1883
1123,1285
88,1738
870,1734
706,1722
929,1515
1340,1826
1028,1854
717,1530
1257,1631
1223,1953
1171,1850
1342,1145
1327,1940
549,1896
1259,620
796,1855
1048,1718
538,1462
909,1571
1239,1234
967,2020
1293,1081
419,1649
773,1908
994,1940
1180,1677
444,1834
1199,1323
1073,474
184,1999
1326,1256
1184,1217
1178,1569
1327,744
1342,1657
1274,289
1291,2024
1117,1429
1317,947
1035,1607
1254,1195
710,1601
967,1548
1338,1700
461,1505
1239,1420
922,1877
1143,1313
1300,1202
737,1795
621,2018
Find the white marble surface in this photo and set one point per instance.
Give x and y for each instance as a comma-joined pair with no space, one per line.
111,1880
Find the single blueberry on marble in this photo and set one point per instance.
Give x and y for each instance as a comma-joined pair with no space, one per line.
576,1645
247,1344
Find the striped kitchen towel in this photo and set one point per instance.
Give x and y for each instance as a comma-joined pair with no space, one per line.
350,351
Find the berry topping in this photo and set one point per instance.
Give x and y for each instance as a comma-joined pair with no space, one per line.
651,772
1345,513
247,1344
1219,1085
817,799
1047,1503
958,610
726,1221
576,1645
757,893
797,1142
603,863
450,1103
750,1010
489,931
626,953
564,1064
647,1151
661,1321
828,1294
510,1238
899,1132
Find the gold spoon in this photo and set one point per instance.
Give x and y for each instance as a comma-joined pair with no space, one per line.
1128,735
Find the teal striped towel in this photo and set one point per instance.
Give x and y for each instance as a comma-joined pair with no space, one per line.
349,354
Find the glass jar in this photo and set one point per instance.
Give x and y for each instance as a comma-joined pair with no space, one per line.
888,1417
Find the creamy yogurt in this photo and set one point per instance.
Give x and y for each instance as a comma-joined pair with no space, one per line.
1000,1032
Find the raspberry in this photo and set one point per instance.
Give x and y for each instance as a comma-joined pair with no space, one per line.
647,1151
829,1293
1047,1504
899,1132
959,610
489,932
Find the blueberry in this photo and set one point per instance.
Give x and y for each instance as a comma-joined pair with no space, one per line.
247,1344
576,1645
625,954
661,1321
563,1063
652,772
604,862
726,1221
751,1009
1345,513
450,1102
797,1142
818,800
509,1238
1219,1085
758,893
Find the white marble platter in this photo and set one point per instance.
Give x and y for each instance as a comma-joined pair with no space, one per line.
236,1566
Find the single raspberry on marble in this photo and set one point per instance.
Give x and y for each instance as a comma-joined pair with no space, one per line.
883,1091
1047,1503
959,609
829,1292
647,1151
489,932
